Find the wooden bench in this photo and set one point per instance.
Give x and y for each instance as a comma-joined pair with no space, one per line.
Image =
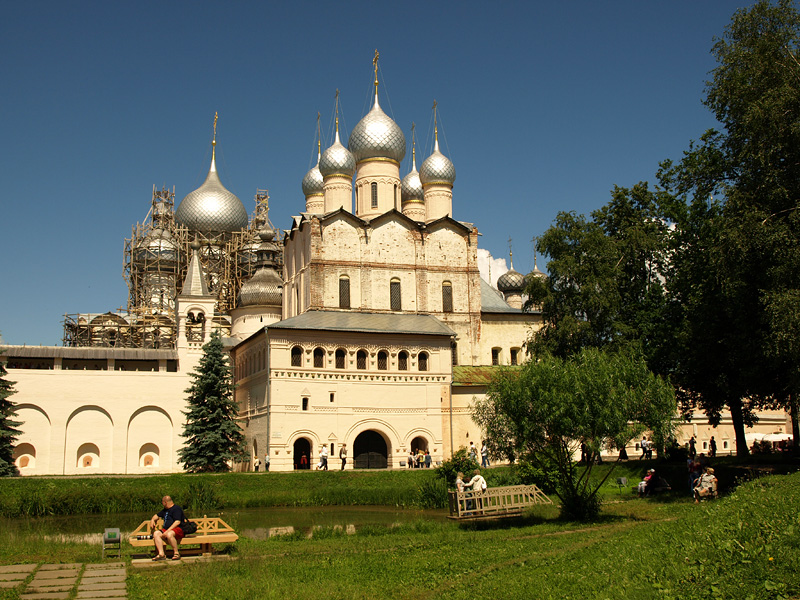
210,530
495,503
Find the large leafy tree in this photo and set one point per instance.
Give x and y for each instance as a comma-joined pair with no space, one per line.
8,426
737,243
545,410
605,288
213,437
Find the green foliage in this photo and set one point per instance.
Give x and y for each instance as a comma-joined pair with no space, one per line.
543,474
203,495
460,462
8,426
433,493
543,412
213,437
735,257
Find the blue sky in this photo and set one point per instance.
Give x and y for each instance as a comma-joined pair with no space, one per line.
543,107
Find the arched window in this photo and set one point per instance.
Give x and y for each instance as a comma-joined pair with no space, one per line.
395,302
297,356
340,357
402,361
344,291
447,297
374,189
383,361
423,361
319,358
361,359
395,194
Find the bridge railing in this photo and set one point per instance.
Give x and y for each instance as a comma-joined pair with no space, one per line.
495,502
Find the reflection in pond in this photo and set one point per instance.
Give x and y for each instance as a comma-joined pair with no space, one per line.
256,523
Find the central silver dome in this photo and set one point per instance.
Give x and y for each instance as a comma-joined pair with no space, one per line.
377,136
211,209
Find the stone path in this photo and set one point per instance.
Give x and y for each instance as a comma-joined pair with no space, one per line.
57,582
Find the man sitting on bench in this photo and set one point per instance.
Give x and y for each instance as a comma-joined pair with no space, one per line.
171,531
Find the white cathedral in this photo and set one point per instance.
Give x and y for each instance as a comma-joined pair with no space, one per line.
366,324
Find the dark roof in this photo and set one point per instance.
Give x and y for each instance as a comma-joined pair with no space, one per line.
492,301
476,376
87,352
331,320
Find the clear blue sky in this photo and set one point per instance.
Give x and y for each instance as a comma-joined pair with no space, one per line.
544,107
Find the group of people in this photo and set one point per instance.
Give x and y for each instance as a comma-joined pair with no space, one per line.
257,463
473,453
476,485
702,481
419,459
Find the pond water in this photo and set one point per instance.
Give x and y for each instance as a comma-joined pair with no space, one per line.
258,523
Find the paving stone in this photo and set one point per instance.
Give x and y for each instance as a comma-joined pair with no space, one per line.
101,586
58,567
106,579
13,576
57,574
103,594
63,587
101,566
17,568
45,596
95,573
49,581
5,585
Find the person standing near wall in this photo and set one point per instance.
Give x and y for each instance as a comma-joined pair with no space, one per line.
256,464
484,455
343,455
266,462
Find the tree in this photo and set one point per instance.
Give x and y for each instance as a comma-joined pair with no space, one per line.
213,437
737,254
605,288
8,426
544,411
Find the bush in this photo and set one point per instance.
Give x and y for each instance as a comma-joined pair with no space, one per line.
543,477
761,447
460,463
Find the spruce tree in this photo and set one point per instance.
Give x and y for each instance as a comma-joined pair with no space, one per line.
213,437
8,427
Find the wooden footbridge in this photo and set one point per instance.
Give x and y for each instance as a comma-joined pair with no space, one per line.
495,503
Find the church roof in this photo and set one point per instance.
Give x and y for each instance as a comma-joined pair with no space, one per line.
492,301
330,320
88,352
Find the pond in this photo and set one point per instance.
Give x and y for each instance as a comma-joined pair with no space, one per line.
257,523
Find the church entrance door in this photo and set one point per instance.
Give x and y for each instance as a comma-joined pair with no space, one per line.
302,454
369,451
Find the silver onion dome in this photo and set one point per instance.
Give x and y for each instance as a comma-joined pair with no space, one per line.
411,187
337,160
437,168
511,281
377,136
535,274
265,288
312,182
158,249
211,208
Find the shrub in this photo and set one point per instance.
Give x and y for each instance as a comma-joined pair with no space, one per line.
459,463
545,476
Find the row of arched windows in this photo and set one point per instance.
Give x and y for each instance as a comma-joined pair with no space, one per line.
395,294
362,359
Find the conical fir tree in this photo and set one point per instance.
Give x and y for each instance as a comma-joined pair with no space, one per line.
8,427
213,437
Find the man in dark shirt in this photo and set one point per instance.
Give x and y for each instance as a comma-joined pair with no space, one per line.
171,531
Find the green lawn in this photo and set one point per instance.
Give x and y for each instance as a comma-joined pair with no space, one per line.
744,545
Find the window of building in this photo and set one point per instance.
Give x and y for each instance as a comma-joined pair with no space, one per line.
344,291
514,356
361,359
447,297
319,358
395,194
297,356
495,356
383,361
395,302
423,361
402,361
454,353
340,356
305,403
374,189
333,396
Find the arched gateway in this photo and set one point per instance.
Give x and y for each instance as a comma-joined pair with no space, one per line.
302,448
370,451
